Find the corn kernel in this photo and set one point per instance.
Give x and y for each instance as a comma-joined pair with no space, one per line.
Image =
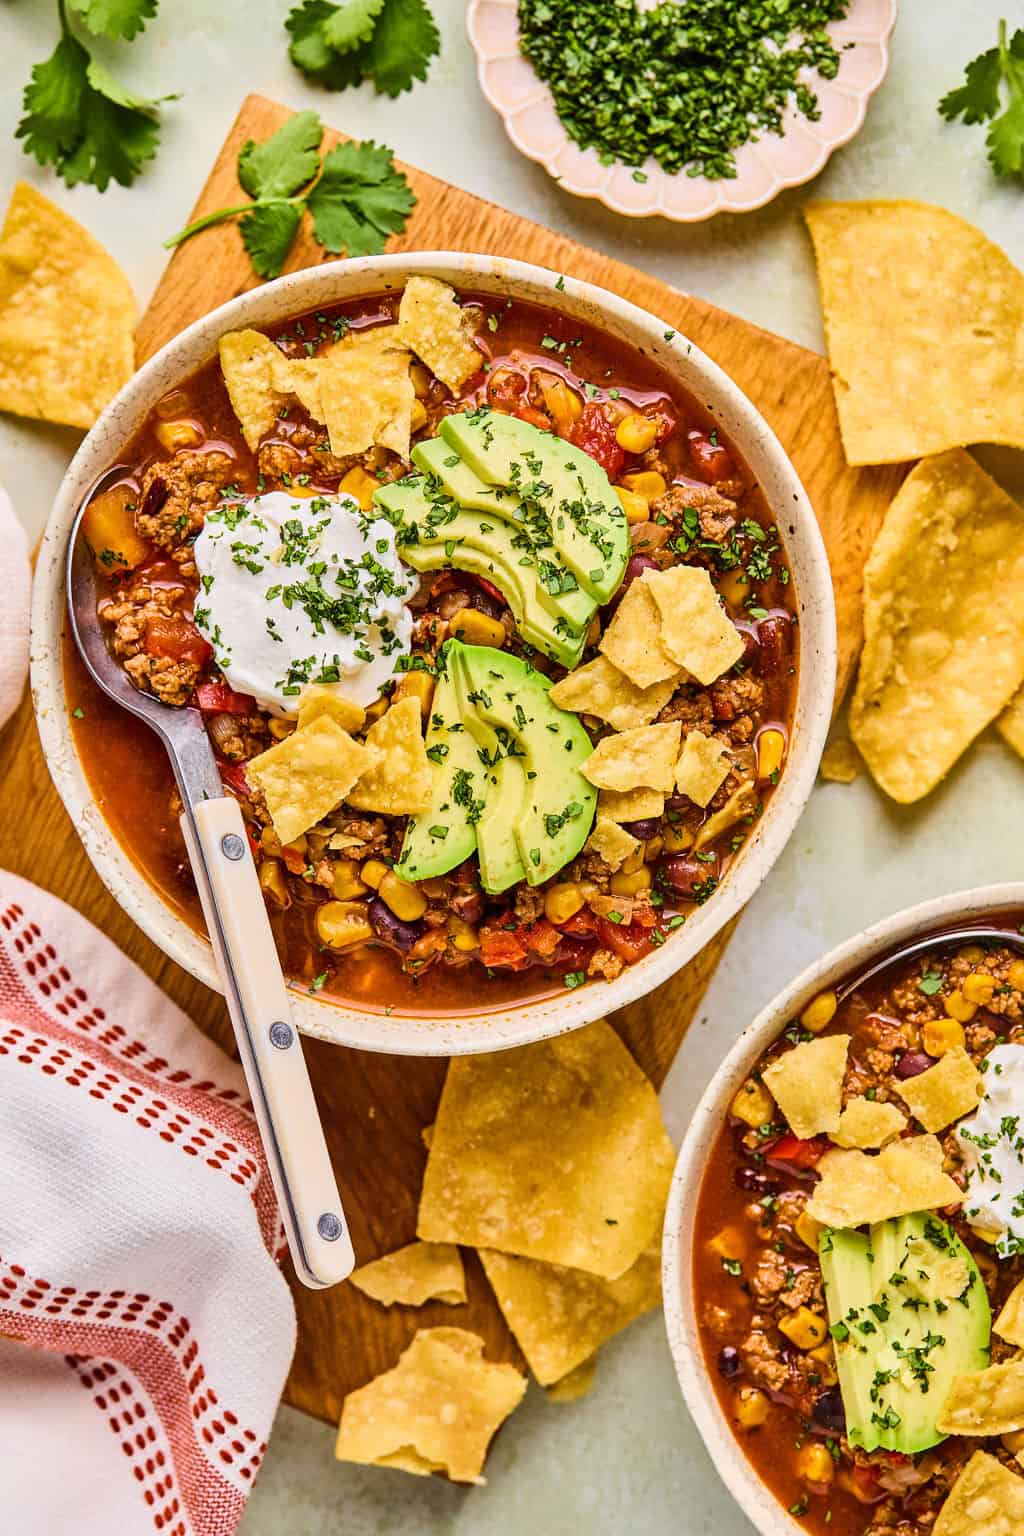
419,686
637,510
825,1360
345,882
814,1463
270,842
173,435
751,1408
653,849
636,433
819,1012
941,1035
728,1244
971,954
421,380
562,403
1015,975
752,1104
406,901
979,988
631,883
360,485
808,1230
464,935
373,872
417,416
804,1328
562,901
632,864
958,1007
677,838
771,749
478,628
1014,1441
341,924
646,483
273,882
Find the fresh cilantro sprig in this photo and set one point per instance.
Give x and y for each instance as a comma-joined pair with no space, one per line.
993,93
354,195
76,116
390,42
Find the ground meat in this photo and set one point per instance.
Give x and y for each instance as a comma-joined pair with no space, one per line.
692,707
717,513
605,964
238,737
763,1358
736,701
371,835
770,1275
591,866
280,461
806,1290
529,904
171,681
177,494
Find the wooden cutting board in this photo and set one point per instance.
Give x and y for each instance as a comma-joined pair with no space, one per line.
375,1107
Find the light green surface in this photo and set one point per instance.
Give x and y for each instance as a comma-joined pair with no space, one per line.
626,1458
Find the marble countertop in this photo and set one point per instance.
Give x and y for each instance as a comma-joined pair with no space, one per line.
627,1456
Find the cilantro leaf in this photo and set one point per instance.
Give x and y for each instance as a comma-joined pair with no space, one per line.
404,41
359,200
284,162
52,103
310,52
267,234
114,18
980,99
350,24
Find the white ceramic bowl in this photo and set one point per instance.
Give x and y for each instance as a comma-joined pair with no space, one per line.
739,1476
329,284
763,168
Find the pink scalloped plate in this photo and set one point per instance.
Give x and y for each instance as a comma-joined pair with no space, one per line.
763,167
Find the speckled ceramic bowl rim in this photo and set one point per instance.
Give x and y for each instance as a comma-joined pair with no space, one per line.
739,1476
327,284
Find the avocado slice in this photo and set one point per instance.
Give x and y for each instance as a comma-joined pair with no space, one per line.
557,807
445,834
908,1312
570,489
438,459
503,785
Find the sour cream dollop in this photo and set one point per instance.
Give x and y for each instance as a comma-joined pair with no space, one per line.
992,1141
299,590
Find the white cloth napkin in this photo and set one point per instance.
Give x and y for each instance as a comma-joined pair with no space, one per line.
14,564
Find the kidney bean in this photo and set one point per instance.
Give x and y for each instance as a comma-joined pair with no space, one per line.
684,874
754,1181
469,905
155,497
774,636
729,1362
391,928
643,829
635,566
828,1412
912,1063
710,460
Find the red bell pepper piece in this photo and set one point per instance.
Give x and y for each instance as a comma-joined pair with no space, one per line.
176,638
540,938
232,776
501,948
219,699
792,1152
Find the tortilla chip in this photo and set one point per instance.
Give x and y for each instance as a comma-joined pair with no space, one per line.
319,699
1010,1323
611,842
397,780
630,805
574,1384
944,1092
867,1124
741,803
366,393
67,315
436,1410
924,321
703,767
299,376
857,1188
431,324
632,640
645,757
807,1084
986,1498
943,624
247,363
988,1402
695,630
306,775
559,1316
1010,724
601,689
556,1151
840,762
412,1275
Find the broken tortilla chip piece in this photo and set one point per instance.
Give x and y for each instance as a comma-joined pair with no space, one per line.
1010,724
924,322
432,324
67,315
436,1410
807,1084
247,363
396,781
943,624
944,1092
556,1151
324,699
840,762
574,1384
641,758
857,1188
865,1123
741,803
611,842
1010,1323
366,392
601,689
304,777
703,767
630,804
632,640
695,630
414,1274
560,1317
988,1402
987,1497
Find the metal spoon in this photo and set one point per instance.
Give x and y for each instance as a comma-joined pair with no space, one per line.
922,946
243,944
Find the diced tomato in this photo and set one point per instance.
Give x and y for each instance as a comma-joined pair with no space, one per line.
595,434
492,590
582,921
232,776
710,460
536,418
219,699
630,941
501,948
663,414
295,860
505,388
540,938
792,1152
178,639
